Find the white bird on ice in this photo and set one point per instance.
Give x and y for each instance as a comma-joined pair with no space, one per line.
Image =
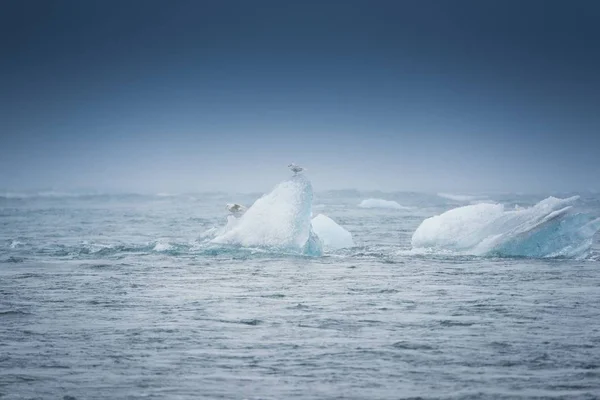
296,169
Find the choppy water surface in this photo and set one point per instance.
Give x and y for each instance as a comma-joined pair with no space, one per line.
120,297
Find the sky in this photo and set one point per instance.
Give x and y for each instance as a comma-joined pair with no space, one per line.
187,96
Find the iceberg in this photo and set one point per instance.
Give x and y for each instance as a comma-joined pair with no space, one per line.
380,203
278,221
551,228
332,235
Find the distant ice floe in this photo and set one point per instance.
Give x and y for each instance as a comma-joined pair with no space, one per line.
333,236
463,198
551,228
380,203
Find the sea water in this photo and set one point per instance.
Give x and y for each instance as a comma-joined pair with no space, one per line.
129,296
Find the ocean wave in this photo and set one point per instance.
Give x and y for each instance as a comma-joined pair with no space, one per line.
87,250
15,243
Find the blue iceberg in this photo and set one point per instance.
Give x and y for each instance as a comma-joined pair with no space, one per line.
551,228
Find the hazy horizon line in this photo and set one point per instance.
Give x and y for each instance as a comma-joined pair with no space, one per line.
87,192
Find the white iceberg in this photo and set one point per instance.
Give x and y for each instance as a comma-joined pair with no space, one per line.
278,221
331,234
549,229
461,197
380,203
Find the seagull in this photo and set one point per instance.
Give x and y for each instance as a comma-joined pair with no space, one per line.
296,169
235,208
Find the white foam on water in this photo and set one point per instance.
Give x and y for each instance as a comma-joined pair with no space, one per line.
162,246
14,244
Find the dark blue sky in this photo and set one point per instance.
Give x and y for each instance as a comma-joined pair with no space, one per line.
218,95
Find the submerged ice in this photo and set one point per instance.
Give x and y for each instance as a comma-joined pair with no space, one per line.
551,228
279,221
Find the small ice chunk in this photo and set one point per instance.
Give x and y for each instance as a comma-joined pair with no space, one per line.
332,235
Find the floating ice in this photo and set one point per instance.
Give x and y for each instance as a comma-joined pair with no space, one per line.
461,197
380,203
332,235
549,229
279,221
